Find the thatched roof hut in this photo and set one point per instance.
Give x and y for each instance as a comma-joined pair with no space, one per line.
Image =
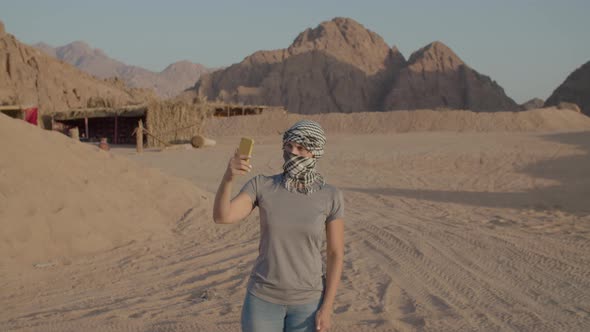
166,122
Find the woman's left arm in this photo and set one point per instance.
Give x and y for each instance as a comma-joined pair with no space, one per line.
335,258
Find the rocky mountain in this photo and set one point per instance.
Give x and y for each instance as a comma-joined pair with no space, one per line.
337,67
532,104
575,89
435,77
167,83
340,66
30,77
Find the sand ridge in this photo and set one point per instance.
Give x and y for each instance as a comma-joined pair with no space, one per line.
274,122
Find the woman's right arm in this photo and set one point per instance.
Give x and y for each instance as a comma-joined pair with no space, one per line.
226,210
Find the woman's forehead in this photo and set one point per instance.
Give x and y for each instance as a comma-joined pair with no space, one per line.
293,143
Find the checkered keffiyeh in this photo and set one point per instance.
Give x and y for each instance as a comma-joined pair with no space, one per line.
299,172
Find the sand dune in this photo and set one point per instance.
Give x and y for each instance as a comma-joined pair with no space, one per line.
62,198
446,230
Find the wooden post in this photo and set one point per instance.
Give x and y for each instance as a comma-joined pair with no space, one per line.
116,132
86,127
139,137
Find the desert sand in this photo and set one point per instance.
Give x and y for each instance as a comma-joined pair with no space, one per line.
454,222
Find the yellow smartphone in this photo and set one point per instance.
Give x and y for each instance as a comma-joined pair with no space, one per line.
246,146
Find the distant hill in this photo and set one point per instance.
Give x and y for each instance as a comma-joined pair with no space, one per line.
575,89
30,77
340,66
532,104
167,83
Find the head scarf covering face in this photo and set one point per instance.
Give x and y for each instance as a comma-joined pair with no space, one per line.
299,172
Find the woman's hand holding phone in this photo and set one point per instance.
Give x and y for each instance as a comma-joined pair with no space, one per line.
239,164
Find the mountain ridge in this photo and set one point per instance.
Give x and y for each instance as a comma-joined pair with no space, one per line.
169,82
340,66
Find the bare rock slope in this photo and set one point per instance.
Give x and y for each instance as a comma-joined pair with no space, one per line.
575,89
30,77
340,66
436,77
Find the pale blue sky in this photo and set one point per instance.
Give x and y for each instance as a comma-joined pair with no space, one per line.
528,47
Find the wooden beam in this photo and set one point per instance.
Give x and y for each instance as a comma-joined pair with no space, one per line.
85,127
116,131
139,137
11,108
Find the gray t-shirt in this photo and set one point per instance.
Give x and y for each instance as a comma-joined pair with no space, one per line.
288,269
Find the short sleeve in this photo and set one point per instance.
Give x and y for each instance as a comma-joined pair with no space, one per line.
337,210
251,189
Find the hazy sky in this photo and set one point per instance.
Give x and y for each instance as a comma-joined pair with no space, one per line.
528,47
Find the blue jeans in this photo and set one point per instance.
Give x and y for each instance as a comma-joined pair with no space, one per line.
262,316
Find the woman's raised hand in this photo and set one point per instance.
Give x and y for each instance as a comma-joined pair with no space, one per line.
238,165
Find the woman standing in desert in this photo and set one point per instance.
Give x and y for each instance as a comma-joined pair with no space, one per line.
288,290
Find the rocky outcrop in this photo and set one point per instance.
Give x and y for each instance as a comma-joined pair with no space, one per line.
340,66
575,89
167,83
30,77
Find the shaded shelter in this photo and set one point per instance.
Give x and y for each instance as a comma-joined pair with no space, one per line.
28,114
115,123
227,110
13,111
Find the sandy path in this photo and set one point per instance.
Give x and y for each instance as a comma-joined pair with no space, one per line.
445,232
